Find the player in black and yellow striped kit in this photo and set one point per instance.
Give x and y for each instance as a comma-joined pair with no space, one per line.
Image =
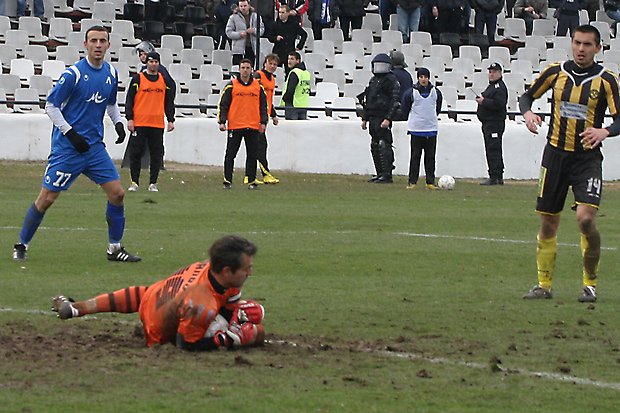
582,91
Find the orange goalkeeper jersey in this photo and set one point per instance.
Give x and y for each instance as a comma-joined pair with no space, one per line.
185,303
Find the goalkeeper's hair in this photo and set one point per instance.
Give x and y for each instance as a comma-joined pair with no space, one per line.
227,252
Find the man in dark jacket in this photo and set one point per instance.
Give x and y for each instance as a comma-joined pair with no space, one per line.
223,10
450,15
404,79
351,14
380,101
568,16
297,7
285,33
322,14
492,113
486,15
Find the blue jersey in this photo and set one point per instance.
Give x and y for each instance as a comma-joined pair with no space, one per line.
82,94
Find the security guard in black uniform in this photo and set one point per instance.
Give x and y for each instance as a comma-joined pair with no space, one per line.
380,101
492,114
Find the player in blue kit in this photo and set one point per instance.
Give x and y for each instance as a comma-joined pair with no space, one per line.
76,106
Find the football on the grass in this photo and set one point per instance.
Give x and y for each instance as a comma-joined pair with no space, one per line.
446,182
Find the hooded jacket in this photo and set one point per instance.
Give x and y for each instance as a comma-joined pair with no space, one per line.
236,25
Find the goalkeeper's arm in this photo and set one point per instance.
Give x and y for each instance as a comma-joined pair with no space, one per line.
246,334
204,344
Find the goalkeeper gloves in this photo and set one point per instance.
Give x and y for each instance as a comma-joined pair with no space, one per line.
248,310
239,335
77,140
120,131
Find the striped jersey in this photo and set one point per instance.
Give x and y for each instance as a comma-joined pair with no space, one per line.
580,98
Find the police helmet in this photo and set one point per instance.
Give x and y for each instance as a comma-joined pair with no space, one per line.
144,46
381,63
398,59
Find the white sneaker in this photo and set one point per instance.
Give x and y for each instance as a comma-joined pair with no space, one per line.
133,187
153,188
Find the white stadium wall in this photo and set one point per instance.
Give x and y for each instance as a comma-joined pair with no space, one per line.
317,146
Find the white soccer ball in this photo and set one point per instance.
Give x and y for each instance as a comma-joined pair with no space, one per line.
446,182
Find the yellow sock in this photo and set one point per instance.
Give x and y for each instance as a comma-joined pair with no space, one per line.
546,250
591,253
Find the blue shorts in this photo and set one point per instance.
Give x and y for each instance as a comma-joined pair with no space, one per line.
64,168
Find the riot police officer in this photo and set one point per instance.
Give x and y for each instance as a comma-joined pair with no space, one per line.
380,101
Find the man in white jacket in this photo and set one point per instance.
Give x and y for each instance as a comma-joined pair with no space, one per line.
241,29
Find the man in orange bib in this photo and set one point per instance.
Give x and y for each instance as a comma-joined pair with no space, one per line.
150,98
243,111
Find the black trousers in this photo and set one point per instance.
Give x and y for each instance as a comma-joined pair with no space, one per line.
493,132
317,29
450,21
567,24
381,147
348,23
249,54
154,137
428,144
261,155
233,143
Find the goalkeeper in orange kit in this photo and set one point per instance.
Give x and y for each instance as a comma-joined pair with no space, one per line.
199,307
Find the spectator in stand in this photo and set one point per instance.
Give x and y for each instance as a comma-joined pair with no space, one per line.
408,12
568,17
241,29
592,6
209,23
612,9
39,8
351,14
265,9
223,10
322,14
297,7
285,33
155,9
530,10
386,9
486,15
510,5
450,15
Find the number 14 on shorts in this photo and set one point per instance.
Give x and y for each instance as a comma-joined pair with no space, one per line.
594,187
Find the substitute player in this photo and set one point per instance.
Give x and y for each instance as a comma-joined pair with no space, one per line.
76,106
149,101
199,307
582,91
267,78
242,110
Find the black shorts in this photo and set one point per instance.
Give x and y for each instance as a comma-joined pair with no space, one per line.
560,169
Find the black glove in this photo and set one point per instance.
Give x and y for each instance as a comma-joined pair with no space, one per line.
120,131
77,140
